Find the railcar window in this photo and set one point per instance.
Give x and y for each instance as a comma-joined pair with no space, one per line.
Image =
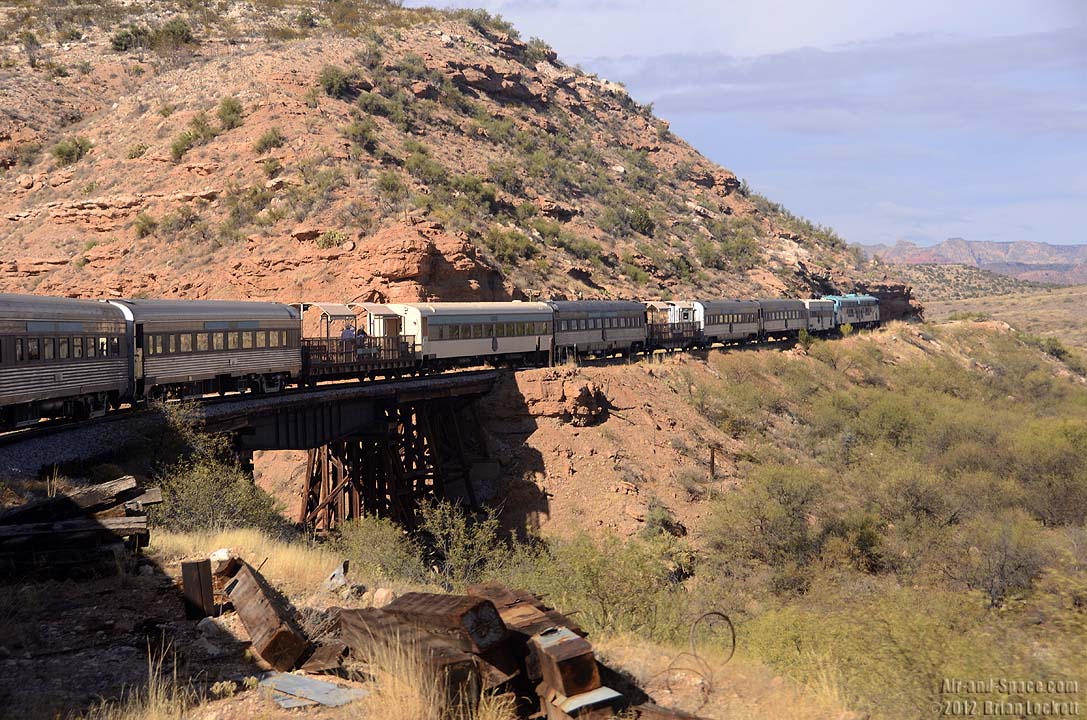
232,341
247,340
158,344
90,346
273,338
262,338
500,330
19,352
102,349
48,348
33,349
201,342
283,338
186,342
115,346
62,348
77,347
217,341
171,343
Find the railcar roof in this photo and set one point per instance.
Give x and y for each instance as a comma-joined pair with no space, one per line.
780,303
166,310
475,308
47,307
596,306
716,304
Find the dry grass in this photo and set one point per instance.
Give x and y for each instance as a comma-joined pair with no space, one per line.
740,689
291,566
164,697
403,689
1058,313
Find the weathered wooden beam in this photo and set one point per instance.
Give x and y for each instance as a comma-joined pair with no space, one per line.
273,635
197,590
70,505
123,526
470,623
370,632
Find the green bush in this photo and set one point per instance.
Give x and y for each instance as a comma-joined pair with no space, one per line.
362,132
334,80
182,144
461,548
391,186
137,151
378,547
230,113
508,246
144,225
71,149
641,221
131,38
420,164
205,494
271,138
174,33
331,239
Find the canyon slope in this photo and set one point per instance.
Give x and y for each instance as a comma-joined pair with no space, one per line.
339,151
1037,262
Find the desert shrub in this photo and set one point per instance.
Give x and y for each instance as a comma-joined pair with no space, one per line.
70,150
32,48
460,547
641,221
374,104
420,164
537,50
271,167
362,132
270,139
201,128
379,547
391,186
230,113
173,34
485,22
330,239
616,585
764,521
846,329
182,144
211,494
144,225
130,38
508,246
334,81
1000,555
137,151
506,175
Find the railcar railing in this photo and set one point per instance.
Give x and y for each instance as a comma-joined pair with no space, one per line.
672,334
331,357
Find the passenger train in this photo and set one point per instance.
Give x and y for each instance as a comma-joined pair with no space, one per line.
64,358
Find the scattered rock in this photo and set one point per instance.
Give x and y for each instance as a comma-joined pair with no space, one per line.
25,181
383,596
337,579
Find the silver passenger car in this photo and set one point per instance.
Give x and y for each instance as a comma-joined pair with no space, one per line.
783,318
60,358
459,333
727,320
201,346
820,316
594,327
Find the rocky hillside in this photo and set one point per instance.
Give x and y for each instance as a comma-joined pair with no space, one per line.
360,151
1037,262
933,282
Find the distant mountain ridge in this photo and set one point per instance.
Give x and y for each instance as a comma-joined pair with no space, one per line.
1024,260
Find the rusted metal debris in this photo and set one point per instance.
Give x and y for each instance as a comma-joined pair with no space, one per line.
566,661
99,526
271,629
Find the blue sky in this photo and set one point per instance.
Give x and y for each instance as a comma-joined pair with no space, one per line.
916,120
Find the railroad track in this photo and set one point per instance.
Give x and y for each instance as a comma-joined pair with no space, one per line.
46,428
